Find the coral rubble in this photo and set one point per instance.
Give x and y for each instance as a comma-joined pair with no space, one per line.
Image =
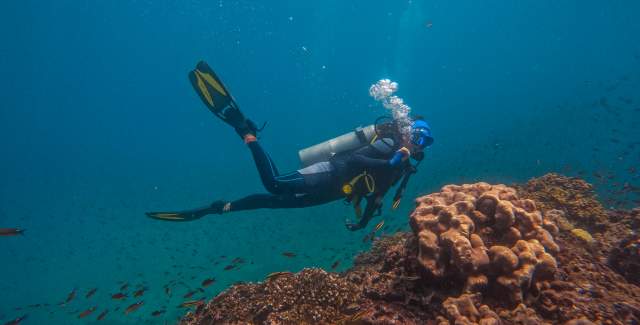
477,254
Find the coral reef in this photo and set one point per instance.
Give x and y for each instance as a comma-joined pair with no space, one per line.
452,227
625,258
311,296
478,254
572,195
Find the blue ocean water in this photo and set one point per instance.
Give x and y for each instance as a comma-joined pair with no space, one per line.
98,124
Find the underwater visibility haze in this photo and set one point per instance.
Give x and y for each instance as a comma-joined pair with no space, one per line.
100,124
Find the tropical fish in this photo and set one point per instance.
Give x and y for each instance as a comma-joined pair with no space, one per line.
189,294
102,315
229,267
167,291
16,321
289,254
87,312
133,307
379,225
124,287
11,231
335,264
277,275
191,303
157,313
238,260
369,236
208,282
118,296
91,292
70,297
139,292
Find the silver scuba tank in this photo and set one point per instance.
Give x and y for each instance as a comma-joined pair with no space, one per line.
348,141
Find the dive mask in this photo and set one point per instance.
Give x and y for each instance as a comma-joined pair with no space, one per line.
421,134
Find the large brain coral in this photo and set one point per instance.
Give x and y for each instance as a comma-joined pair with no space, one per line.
486,236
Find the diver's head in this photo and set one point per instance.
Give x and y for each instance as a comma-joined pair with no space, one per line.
420,133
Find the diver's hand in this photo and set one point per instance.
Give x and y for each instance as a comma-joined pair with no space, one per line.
401,155
353,226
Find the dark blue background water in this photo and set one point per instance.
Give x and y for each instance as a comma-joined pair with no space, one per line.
98,124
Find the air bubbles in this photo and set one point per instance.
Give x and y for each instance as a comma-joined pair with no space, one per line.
382,91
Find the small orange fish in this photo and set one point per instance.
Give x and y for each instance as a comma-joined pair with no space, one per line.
139,293
102,315
237,260
189,294
157,313
118,296
289,254
133,307
91,292
191,303
16,321
87,312
11,231
70,297
208,282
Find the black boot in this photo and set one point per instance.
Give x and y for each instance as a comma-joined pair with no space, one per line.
241,124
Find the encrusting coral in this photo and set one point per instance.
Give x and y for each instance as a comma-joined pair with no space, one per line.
572,195
484,235
311,296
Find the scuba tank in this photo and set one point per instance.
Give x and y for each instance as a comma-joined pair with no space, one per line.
357,138
384,126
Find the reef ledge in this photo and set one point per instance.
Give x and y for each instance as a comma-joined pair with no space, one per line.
545,252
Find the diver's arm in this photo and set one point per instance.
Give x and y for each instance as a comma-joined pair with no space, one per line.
361,160
374,204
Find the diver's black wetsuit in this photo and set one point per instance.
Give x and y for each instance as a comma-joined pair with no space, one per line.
321,182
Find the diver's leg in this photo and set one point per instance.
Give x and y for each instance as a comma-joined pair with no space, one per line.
271,201
266,168
272,181
297,182
216,207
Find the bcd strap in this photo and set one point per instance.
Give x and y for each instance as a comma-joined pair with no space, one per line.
360,134
369,182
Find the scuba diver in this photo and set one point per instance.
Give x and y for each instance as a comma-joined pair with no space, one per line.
361,165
